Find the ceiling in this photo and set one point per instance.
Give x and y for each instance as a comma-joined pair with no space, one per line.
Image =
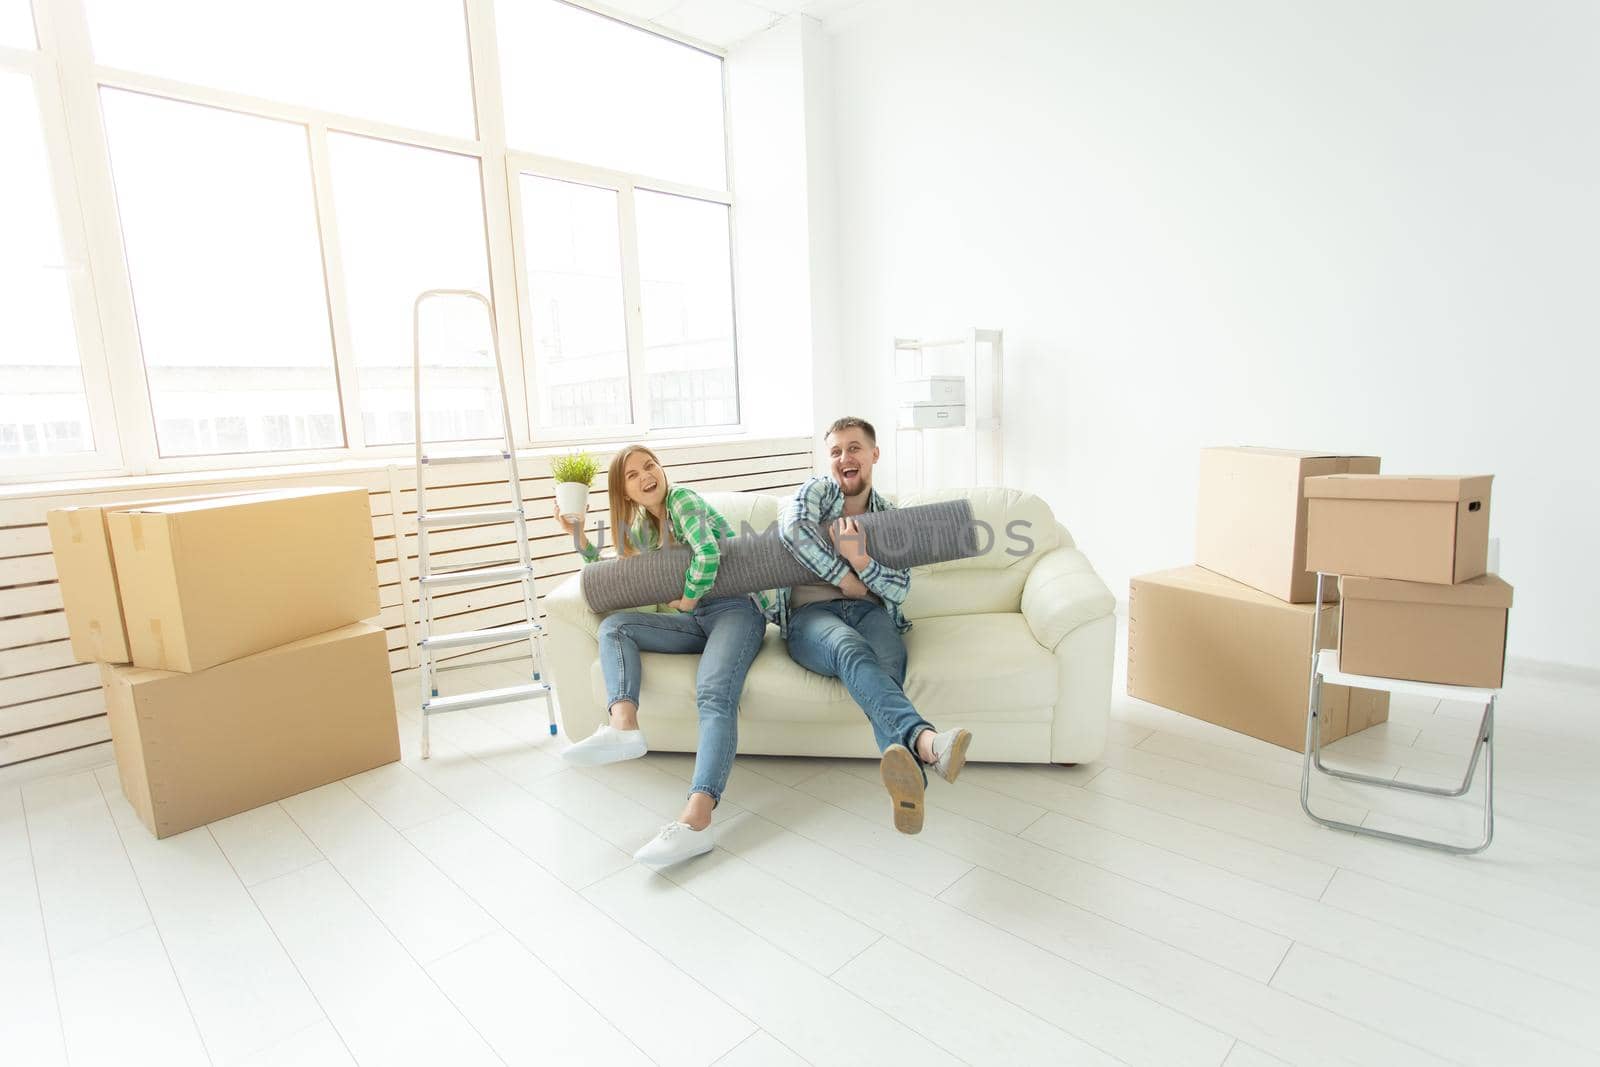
719,22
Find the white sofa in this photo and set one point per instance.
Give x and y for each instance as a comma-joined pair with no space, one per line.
1015,645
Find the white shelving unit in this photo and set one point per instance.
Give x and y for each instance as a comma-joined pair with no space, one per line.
972,426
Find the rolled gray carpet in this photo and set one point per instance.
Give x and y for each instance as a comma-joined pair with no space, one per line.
904,537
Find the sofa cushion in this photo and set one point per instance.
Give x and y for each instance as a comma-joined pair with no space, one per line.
954,668
958,663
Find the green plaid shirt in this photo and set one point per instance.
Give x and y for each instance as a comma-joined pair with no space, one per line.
697,525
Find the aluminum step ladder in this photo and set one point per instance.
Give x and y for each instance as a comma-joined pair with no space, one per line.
518,570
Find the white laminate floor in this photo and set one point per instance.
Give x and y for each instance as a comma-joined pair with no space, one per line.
1168,905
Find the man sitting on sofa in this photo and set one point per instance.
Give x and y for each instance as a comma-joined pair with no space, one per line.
848,625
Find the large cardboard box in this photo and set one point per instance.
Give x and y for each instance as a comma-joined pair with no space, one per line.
1414,529
210,581
1450,634
81,544
1218,650
194,748
1251,524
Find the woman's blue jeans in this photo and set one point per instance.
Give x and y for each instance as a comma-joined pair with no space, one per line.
727,632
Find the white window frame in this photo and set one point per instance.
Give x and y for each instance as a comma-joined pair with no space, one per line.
624,185
40,67
69,83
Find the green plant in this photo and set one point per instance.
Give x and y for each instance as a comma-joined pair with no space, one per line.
577,467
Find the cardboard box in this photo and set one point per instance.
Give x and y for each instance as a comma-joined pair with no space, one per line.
1251,524
1414,529
194,748
213,580
81,544
1424,632
1218,650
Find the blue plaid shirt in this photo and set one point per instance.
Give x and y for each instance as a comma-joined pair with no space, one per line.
803,528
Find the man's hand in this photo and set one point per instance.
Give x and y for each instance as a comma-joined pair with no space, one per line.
854,587
850,541
684,604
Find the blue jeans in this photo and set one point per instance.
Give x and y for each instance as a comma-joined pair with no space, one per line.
727,632
856,642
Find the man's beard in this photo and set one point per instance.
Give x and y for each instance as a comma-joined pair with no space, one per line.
860,494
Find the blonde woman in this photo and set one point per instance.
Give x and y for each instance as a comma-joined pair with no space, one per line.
647,513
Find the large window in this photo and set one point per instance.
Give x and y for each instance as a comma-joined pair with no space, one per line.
16,24
628,100
573,253
686,287
411,219
43,407
220,226
229,209
401,64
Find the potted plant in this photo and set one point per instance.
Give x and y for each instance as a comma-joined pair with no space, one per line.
574,473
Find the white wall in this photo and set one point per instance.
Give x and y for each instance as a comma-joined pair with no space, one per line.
1360,226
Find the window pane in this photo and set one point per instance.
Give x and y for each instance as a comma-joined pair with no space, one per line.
16,24
43,411
686,285
355,57
583,87
580,334
411,219
220,227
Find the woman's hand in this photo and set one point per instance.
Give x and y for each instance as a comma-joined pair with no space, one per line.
683,603
573,524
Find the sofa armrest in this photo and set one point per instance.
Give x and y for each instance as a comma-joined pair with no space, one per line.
1061,594
565,604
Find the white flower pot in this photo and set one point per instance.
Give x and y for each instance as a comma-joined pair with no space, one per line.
572,498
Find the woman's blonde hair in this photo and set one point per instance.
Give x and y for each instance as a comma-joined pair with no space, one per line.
625,511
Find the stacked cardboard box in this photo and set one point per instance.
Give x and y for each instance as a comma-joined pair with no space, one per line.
1229,641
1413,553
236,667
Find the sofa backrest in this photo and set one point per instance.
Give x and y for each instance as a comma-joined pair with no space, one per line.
1015,528
760,510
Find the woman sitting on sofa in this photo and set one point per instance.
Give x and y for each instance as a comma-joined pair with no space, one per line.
647,513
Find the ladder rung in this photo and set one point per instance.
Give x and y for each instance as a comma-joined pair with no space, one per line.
484,697
464,457
469,518
477,574
481,637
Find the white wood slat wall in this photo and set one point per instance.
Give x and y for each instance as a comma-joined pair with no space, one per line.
50,704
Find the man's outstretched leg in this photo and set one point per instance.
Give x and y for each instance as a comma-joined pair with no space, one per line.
843,639
945,752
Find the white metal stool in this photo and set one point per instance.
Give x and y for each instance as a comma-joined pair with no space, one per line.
1325,668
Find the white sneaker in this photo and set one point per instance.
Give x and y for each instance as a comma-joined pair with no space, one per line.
950,753
606,745
675,843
